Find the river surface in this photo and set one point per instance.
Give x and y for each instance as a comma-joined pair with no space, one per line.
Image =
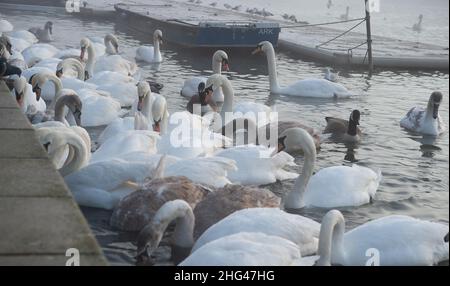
415,168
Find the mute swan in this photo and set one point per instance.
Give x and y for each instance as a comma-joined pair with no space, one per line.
399,240
307,87
303,231
44,35
256,165
428,121
39,80
333,77
105,63
344,130
418,26
25,97
19,44
219,61
293,228
56,138
259,113
151,54
350,186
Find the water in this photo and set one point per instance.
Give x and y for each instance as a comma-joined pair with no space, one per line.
415,168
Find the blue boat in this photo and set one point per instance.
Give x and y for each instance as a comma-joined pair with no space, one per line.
199,26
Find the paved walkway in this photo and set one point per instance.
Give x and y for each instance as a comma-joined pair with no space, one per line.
39,220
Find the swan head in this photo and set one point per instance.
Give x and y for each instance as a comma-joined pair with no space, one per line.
84,44
222,57
215,81
19,88
49,26
143,89
147,242
434,103
297,139
159,110
54,138
110,38
157,36
37,82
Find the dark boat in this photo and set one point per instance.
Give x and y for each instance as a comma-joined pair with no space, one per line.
199,26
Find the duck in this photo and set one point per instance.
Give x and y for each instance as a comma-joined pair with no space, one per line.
425,121
219,62
398,240
344,130
45,34
313,87
151,54
418,26
351,185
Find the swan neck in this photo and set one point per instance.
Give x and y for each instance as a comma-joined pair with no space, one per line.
80,155
147,109
184,217
91,60
164,122
58,88
298,193
272,66
156,50
228,94
331,238
216,65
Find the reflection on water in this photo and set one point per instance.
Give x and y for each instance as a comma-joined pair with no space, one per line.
415,168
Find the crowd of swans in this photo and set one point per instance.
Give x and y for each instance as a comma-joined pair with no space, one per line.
153,168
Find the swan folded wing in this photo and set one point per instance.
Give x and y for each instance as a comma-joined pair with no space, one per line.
340,186
303,231
413,119
211,171
401,240
320,88
245,249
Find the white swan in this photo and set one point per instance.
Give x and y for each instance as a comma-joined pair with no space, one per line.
190,86
26,97
151,54
303,231
314,87
104,63
256,165
336,186
397,239
428,121
56,139
19,44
